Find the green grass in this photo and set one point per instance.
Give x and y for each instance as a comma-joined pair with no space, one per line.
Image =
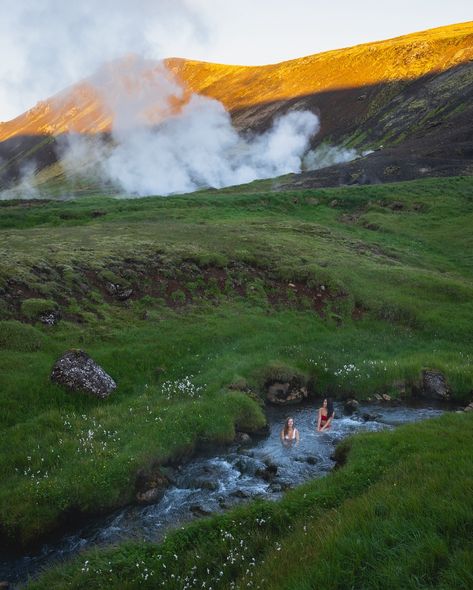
355,296
398,515
32,309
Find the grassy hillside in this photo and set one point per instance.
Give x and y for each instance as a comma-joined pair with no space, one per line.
355,289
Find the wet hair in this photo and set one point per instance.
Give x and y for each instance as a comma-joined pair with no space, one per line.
330,409
286,425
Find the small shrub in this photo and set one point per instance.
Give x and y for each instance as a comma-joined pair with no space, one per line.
192,286
161,286
306,302
88,317
153,315
255,291
291,296
69,275
213,289
228,287
95,296
178,297
74,307
146,301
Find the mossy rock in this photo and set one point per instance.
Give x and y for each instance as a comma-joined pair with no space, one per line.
34,308
110,277
391,170
283,385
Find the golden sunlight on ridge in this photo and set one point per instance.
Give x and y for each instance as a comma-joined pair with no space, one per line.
80,108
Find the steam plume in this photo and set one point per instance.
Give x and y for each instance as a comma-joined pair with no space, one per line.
159,148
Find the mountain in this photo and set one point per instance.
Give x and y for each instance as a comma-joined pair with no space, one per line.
411,96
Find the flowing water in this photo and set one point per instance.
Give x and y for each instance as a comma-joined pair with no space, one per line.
212,483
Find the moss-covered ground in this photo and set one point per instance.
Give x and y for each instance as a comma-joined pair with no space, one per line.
357,289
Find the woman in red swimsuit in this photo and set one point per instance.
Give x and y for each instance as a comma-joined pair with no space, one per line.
326,414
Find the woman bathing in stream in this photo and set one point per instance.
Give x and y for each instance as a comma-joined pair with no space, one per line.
326,414
289,433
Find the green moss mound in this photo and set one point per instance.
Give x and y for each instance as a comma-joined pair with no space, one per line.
34,308
20,337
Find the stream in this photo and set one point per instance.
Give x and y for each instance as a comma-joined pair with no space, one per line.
214,482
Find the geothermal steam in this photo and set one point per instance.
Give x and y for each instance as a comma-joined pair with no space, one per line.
165,141
200,148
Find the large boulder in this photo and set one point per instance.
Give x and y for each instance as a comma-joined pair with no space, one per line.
118,291
243,438
76,371
49,318
150,487
434,385
269,471
199,510
351,406
284,385
367,417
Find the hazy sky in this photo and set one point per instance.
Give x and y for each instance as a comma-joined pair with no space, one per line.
45,45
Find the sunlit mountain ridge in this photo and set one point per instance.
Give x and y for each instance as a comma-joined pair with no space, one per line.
81,108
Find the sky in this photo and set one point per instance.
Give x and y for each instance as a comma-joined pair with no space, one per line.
46,45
